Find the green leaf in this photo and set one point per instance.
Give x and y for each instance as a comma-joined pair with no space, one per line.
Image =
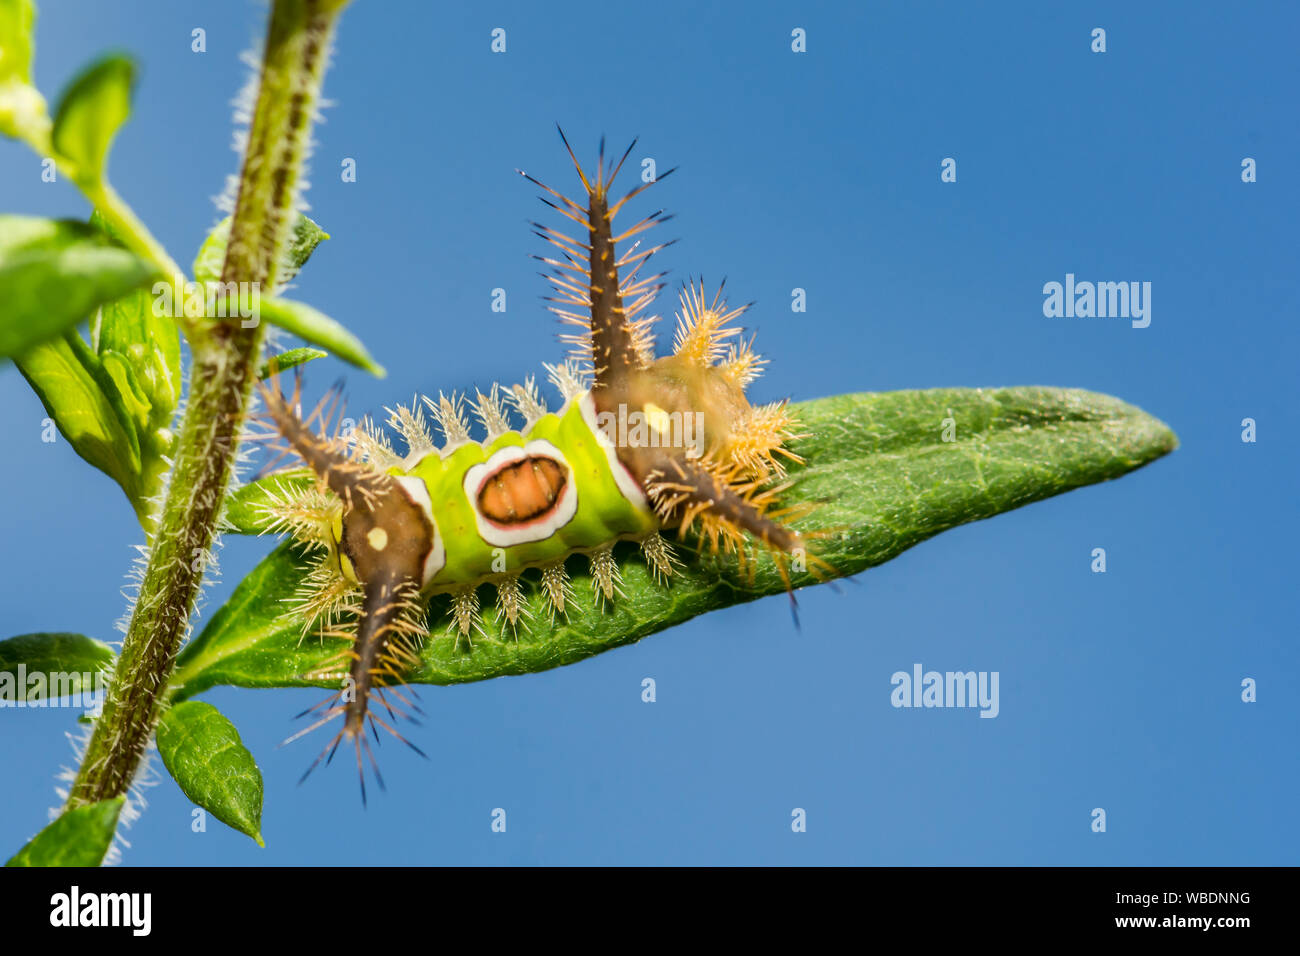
90,112
306,237
202,751
276,364
81,397
63,660
25,233
140,351
22,108
133,397
149,342
53,274
80,837
17,21
246,506
877,467
319,329
150,346
212,254
241,641
113,400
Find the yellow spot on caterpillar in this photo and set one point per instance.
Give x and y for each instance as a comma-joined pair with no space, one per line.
657,418
377,538
345,566
336,532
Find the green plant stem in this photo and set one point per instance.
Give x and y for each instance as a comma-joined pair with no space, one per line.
135,235
224,368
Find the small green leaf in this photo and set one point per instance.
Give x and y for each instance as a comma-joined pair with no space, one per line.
128,388
113,400
319,329
150,344
49,291
53,665
82,399
877,468
80,837
53,274
26,233
17,20
306,237
90,112
276,364
22,108
212,254
202,751
246,506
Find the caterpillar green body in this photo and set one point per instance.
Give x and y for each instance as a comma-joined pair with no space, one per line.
594,501
591,508
641,444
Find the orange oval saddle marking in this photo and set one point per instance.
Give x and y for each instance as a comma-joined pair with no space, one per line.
522,490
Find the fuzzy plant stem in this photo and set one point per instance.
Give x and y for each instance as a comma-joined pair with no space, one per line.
225,357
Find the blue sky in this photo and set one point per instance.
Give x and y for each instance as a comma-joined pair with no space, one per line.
821,171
